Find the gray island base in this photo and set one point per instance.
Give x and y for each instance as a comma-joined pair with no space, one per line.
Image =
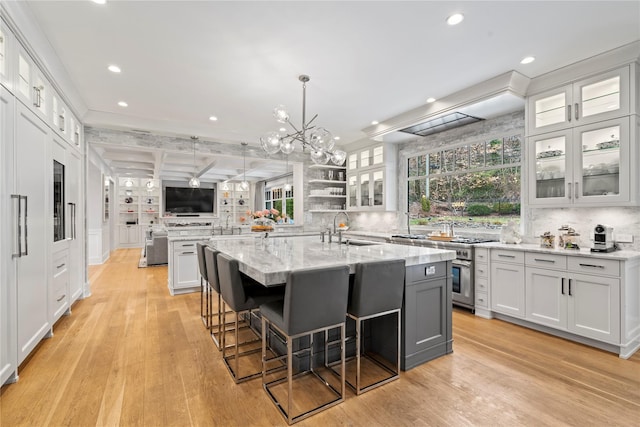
426,313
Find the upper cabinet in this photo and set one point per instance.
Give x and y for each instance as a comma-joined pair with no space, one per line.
587,165
371,179
591,100
7,42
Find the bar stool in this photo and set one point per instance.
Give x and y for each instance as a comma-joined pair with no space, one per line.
242,294
315,300
218,328
205,290
377,291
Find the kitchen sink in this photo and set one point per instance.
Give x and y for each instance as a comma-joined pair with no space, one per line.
351,242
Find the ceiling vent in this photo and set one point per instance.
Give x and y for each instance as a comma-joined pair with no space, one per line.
440,124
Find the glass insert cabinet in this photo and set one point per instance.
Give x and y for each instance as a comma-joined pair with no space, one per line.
602,97
585,165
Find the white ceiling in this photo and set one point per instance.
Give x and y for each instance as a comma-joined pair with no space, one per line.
183,61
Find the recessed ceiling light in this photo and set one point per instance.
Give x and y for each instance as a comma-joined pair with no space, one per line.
430,100
527,60
123,104
337,138
114,68
99,1
455,19
282,129
375,122
213,118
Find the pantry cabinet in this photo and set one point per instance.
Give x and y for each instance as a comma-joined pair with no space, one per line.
589,165
590,100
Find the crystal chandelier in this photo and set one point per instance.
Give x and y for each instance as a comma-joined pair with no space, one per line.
319,140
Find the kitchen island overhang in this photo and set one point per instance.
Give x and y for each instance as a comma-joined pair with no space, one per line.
426,313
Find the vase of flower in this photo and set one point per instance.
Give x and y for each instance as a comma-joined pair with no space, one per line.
265,220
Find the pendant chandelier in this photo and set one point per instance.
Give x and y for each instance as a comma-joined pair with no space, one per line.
194,182
244,184
319,141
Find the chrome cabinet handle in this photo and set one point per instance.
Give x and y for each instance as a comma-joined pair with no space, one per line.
61,298
18,227
577,111
576,190
506,256
37,102
187,253
60,266
562,285
569,112
26,228
569,287
544,260
569,190
61,119
591,265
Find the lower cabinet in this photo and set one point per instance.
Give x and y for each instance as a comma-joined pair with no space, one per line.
426,314
507,282
578,296
129,235
184,273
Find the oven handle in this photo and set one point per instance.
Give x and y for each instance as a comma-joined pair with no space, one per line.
461,263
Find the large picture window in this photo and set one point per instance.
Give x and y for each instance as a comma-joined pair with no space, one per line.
476,184
276,196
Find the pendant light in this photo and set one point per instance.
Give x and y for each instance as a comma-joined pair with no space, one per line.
194,182
244,184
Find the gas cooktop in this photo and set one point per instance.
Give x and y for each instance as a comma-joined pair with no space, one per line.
460,240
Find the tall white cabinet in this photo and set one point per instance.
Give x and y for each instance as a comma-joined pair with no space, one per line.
42,256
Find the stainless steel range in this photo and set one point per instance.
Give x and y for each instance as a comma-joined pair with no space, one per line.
463,291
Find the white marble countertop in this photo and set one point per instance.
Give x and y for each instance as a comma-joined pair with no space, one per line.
270,260
586,252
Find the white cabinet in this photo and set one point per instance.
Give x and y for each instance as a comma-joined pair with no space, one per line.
481,275
184,275
59,296
598,98
8,228
371,175
327,188
129,236
588,165
75,221
7,46
562,296
31,215
507,282
32,87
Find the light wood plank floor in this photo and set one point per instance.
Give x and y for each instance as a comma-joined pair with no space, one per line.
133,355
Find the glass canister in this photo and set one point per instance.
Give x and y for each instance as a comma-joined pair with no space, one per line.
547,240
571,239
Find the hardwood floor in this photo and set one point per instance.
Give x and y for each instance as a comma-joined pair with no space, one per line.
133,355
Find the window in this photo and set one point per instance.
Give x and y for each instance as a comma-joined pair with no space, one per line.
477,184
276,196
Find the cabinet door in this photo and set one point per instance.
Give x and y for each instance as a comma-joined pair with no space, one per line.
60,285
546,297
75,221
425,321
594,307
365,189
352,191
603,97
550,161
7,43
186,273
550,111
602,162
8,230
32,173
377,188
507,289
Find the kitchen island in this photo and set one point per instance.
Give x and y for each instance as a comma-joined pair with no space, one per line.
426,311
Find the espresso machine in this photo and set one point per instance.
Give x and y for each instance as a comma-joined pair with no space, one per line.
603,239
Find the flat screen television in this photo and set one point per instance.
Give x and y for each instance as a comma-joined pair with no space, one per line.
189,200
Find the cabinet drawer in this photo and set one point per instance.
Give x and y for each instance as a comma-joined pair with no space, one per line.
481,270
188,246
589,265
482,300
504,255
542,260
481,285
481,254
416,273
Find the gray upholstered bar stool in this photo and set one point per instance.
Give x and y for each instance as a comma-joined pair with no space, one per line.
315,300
217,328
377,291
205,289
242,294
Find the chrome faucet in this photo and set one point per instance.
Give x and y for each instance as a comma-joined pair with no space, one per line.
408,214
227,221
335,230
